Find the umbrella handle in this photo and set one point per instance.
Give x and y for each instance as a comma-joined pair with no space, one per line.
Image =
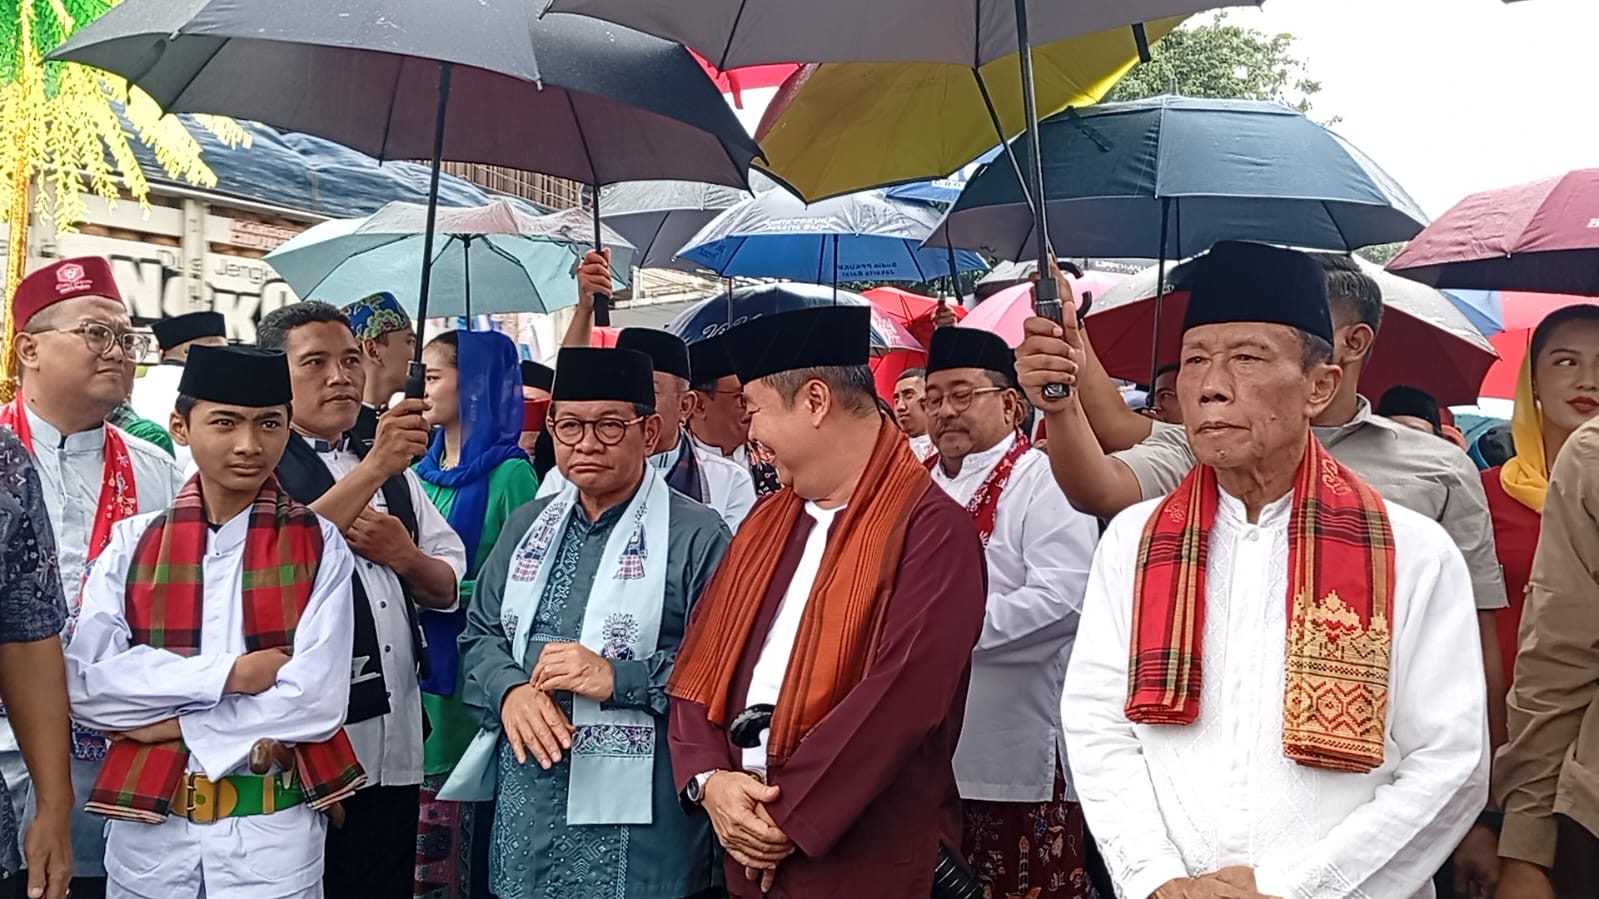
602,301
1046,304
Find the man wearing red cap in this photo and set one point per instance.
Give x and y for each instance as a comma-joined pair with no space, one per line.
76,356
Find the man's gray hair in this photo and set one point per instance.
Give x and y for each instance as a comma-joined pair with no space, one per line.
852,386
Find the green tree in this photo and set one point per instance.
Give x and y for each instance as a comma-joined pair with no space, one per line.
1216,58
1382,253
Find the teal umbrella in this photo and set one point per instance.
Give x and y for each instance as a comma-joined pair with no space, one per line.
493,258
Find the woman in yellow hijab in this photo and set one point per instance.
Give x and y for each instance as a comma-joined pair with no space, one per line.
1557,391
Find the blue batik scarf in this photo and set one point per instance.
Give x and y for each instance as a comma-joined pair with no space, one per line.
489,387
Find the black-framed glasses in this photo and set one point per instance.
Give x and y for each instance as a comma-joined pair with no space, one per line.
100,338
960,399
608,431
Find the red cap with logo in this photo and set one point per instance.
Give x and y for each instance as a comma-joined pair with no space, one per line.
84,276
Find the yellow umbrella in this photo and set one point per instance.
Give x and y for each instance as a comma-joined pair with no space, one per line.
838,128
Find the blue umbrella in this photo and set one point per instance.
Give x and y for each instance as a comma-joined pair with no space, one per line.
1168,177
859,237
716,314
493,258
1481,307
944,190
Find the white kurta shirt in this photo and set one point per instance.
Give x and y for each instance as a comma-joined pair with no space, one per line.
923,447
390,746
729,484
1167,802
1038,558
115,686
766,681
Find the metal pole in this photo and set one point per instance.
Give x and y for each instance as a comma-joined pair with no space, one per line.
835,269
1160,292
466,267
1046,293
415,377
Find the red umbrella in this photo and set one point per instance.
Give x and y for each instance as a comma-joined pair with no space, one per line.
1426,342
1523,312
603,336
1541,236
911,310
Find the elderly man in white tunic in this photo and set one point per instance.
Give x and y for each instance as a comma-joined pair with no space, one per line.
1267,697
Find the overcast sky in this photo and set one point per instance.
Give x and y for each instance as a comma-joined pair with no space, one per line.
1452,96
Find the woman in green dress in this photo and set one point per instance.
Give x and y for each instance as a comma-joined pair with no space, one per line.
476,475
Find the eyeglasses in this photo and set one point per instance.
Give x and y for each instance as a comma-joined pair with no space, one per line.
960,399
100,338
608,431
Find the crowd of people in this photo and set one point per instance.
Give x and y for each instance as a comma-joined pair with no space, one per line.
676,621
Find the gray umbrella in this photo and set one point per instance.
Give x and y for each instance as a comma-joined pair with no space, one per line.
481,82
733,33
659,217
567,96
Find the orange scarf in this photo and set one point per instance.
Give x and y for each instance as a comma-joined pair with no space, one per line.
842,621
1340,605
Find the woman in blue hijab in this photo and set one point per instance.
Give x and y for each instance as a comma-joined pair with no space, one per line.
476,474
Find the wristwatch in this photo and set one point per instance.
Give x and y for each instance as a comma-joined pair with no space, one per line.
695,791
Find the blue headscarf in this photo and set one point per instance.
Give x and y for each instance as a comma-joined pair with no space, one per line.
489,388
489,385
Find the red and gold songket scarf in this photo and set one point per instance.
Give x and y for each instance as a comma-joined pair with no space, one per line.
1340,605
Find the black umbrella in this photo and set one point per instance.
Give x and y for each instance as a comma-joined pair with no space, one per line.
733,33
482,82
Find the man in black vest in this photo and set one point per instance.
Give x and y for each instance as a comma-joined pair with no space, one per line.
407,557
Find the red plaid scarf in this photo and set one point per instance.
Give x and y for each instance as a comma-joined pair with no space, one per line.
118,497
1340,596
984,504
164,607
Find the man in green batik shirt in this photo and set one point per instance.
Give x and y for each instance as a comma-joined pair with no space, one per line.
570,641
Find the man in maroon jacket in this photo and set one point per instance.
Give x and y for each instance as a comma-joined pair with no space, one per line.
820,690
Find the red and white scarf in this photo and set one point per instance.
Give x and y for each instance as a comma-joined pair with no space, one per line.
984,504
119,498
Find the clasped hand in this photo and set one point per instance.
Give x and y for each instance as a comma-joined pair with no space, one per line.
1236,882
736,804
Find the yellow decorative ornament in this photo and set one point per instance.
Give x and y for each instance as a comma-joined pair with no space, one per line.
60,131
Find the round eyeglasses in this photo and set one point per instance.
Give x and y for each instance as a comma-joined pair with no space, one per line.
100,338
608,431
960,399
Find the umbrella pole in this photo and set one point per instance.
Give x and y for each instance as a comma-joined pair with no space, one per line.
1046,293
835,269
954,274
415,376
999,131
1160,292
602,302
466,267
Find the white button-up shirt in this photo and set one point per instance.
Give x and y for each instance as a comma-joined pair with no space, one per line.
115,686
1168,801
1038,558
390,746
